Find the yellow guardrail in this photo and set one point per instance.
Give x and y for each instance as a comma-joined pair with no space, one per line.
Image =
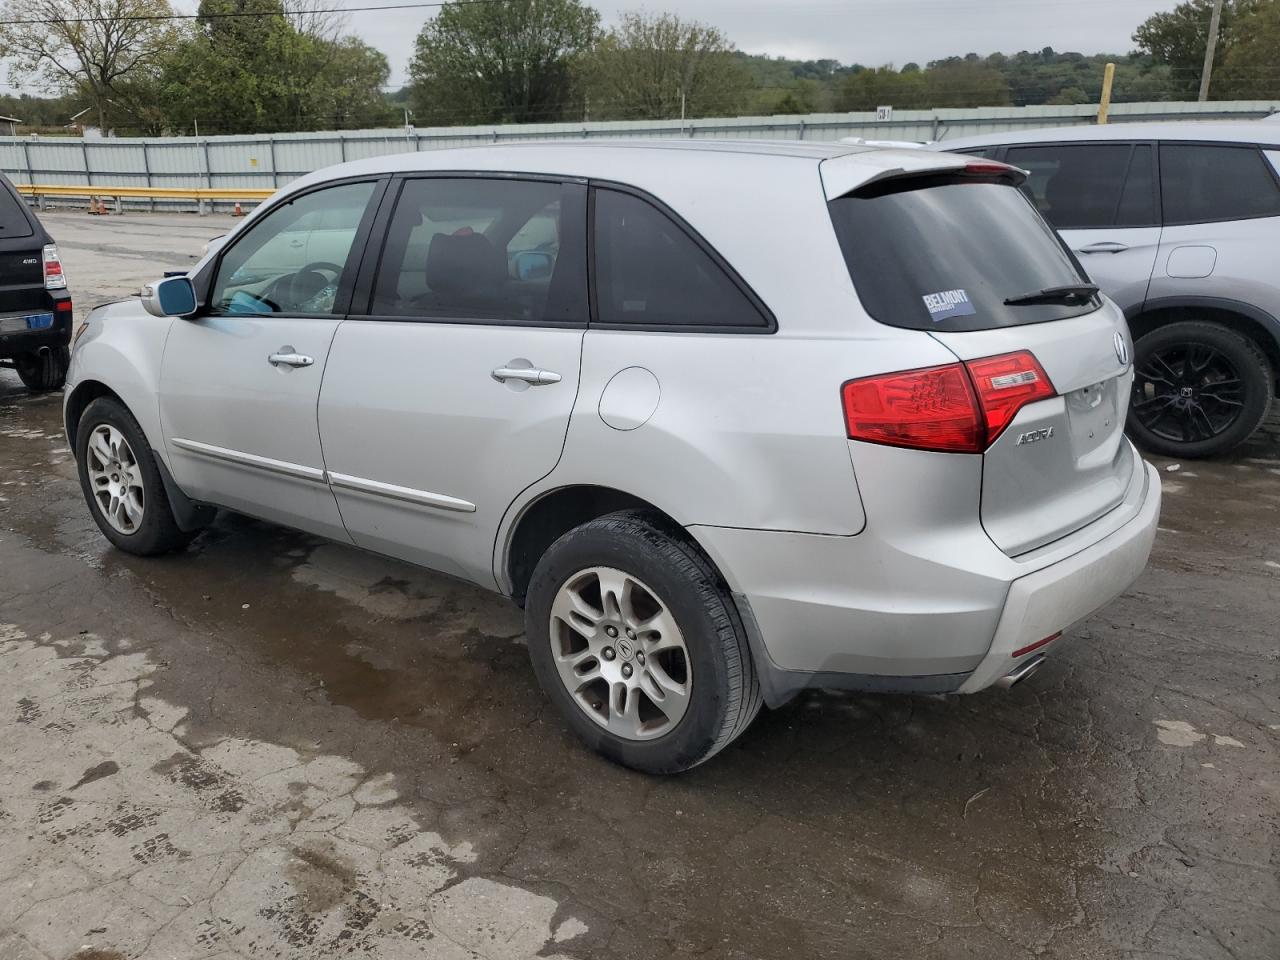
145,193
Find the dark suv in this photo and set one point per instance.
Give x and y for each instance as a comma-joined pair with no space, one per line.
35,307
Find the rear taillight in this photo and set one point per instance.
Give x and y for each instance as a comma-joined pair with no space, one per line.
931,409
53,276
1005,385
957,408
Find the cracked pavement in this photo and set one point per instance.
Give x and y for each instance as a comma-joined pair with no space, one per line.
271,746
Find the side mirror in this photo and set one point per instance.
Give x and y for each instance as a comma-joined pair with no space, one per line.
532,265
170,297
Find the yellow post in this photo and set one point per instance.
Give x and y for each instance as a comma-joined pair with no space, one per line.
1108,77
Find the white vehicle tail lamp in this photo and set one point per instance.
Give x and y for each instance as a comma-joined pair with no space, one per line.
956,408
54,278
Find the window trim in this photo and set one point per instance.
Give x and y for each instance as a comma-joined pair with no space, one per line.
770,325
204,281
1132,145
1259,151
363,289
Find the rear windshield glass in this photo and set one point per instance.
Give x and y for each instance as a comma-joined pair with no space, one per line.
946,255
13,218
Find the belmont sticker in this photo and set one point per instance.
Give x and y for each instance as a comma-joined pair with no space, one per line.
948,303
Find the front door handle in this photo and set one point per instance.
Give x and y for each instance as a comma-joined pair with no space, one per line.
1106,246
530,375
288,357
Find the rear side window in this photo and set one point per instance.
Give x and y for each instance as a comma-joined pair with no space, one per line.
470,248
1080,186
945,255
650,272
13,215
1201,183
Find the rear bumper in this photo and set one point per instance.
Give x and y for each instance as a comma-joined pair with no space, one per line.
934,614
16,341
1054,598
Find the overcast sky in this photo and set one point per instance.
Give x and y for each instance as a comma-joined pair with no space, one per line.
871,32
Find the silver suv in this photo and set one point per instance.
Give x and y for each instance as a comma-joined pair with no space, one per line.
728,420
1179,223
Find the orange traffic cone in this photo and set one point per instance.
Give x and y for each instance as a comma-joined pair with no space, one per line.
237,212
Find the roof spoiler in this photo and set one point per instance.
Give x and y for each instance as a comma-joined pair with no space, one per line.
843,175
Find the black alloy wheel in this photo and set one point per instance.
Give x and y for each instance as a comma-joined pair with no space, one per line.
1198,390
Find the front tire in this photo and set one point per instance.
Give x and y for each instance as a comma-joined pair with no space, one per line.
42,372
121,482
1199,389
638,643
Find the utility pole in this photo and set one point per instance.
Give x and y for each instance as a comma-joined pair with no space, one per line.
1209,48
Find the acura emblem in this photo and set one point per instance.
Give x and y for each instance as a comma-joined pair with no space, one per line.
1122,349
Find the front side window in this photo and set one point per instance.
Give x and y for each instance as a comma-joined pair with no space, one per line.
470,248
1201,183
294,258
1083,186
649,271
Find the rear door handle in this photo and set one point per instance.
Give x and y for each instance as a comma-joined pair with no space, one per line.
1106,246
288,357
530,375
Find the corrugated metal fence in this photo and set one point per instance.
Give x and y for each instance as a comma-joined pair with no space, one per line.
273,160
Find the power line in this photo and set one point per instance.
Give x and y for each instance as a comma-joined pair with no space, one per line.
49,21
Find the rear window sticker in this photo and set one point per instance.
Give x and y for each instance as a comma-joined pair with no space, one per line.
948,303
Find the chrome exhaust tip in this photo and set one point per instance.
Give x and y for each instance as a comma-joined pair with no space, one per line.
1020,672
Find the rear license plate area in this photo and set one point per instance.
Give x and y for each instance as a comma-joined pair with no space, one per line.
25,322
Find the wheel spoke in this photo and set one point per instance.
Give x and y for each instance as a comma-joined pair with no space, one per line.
100,448
570,608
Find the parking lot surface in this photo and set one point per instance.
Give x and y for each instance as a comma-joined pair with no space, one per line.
271,746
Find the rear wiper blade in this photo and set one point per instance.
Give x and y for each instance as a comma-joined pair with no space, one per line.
1067,293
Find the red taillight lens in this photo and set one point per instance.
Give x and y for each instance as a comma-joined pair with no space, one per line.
63,306
1005,385
957,408
988,168
929,409
54,279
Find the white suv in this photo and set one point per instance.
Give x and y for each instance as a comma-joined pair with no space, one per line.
1179,223
729,420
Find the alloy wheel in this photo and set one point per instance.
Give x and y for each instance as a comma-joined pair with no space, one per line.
620,653
115,478
1187,392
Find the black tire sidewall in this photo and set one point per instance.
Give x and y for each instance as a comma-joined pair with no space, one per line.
1255,378
39,374
158,533
643,551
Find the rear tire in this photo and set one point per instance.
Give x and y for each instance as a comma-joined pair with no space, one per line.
42,372
708,684
122,484
1199,389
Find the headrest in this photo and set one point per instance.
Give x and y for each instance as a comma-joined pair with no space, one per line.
464,261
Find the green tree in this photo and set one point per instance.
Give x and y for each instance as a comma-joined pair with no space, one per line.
511,62
1251,68
1177,39
965,83
653,66
272,72
882,86
94,60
